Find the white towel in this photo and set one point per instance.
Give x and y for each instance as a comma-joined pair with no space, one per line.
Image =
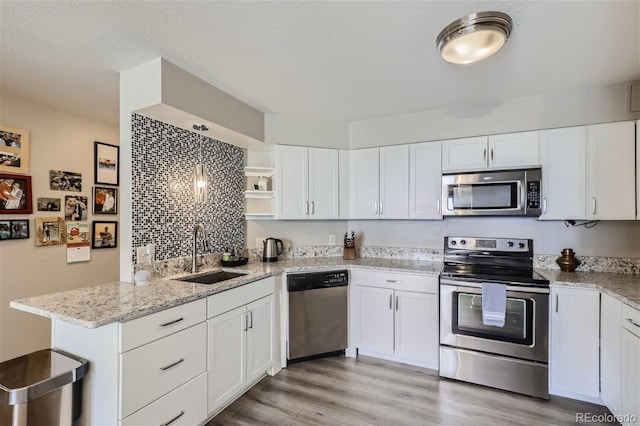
494,304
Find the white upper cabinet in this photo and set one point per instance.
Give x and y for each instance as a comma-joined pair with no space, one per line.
425,180
394,182
307,182
464,154
379,183
491,152
611,184
563,154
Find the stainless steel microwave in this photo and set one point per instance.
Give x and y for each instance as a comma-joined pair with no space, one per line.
492,193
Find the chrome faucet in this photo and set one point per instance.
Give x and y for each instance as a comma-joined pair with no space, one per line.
194,251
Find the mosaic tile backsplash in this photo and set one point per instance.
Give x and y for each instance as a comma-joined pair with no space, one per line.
163,204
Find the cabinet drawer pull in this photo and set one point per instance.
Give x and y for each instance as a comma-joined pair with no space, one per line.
394,281
250,319
633,322
171,322
172,365
391,302
173,419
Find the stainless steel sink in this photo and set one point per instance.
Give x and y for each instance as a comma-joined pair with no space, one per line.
211,277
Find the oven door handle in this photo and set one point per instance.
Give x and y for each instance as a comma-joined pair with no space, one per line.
521,289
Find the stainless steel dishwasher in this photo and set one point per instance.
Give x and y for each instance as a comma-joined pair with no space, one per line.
317,314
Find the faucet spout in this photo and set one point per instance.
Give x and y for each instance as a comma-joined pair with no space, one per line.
198,228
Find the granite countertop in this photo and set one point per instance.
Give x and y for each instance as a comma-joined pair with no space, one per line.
624,287
103,304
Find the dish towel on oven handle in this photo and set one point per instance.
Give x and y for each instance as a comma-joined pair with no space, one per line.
494,304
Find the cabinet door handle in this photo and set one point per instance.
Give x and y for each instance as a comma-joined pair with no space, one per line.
484,155
375,207
556,302
391,302
313,207
633,322
306,207
173,419
594,205
171,322
394,281
492,155
172,365
381,208
250,319
396,303
544,205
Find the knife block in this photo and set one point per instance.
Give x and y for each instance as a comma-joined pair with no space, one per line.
349,252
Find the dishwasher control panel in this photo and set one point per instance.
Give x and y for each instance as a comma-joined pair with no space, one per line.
315,280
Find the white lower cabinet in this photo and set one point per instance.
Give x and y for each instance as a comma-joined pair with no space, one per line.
574,346
611,352
395,316
186,405
240,341
630,403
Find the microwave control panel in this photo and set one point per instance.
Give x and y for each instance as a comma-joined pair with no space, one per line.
533,194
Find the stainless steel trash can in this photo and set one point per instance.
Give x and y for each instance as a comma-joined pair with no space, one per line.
40,388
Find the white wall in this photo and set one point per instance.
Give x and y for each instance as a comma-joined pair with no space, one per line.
305,131
543,111
58,141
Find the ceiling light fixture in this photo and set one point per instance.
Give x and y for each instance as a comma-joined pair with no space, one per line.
475,37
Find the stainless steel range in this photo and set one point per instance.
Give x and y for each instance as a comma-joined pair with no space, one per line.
503,344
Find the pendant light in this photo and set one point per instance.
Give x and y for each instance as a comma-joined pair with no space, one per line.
475,37
200,181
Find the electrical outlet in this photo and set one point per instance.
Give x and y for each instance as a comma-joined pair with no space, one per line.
332,240
141,254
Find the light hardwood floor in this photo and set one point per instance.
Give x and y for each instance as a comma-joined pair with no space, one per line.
368,391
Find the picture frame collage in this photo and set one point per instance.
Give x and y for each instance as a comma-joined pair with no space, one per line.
16,196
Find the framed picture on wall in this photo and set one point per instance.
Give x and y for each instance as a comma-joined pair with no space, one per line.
106,163
105,200
50,231
15,194
14,229
105,234
14,150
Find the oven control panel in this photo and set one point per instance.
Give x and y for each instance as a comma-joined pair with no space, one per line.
487,244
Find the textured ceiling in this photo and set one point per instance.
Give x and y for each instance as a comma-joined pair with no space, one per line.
343,60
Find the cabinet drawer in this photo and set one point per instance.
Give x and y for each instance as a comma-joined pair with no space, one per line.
146,329
152,370
395,280
186,405
227,300
631,319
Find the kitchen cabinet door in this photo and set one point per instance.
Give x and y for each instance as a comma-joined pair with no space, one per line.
259,337
323,183
631,365
563,155
464,154
416,331
513,150
226,357
611,171
376,321
574,347
610,352
394,182
292,167
364,176
425,180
